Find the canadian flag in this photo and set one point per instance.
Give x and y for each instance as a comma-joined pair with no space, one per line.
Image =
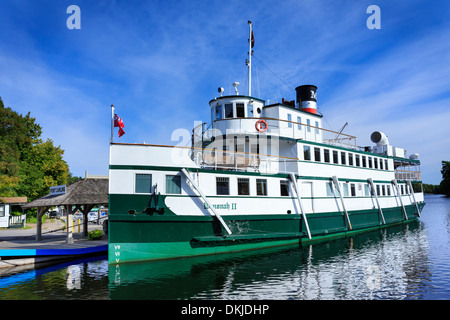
118,123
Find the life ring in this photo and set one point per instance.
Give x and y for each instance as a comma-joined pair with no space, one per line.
261,126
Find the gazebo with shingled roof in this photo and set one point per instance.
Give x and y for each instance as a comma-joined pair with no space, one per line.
82,195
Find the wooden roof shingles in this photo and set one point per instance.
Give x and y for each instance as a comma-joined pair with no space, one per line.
86,191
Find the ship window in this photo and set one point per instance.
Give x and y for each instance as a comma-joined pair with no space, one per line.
343,158
240,110
229,110
402,191
366,190
378,190
317,154
289,116
335,157
143,183
223,186
352,190
345,187
326,155
388,189
370,162
350,159
383,189
243,187
219,114
261,187
385,165
329,189
364,161
299,120
284,188
249,110
317,127
381,164
173,184
357,160
2,211
375,163
308,122
306,153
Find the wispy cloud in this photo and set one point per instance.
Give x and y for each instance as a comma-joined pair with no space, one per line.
160,62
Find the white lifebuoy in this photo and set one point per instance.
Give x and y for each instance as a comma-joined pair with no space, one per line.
261,126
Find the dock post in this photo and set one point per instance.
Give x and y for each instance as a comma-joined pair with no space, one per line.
40,213
69,224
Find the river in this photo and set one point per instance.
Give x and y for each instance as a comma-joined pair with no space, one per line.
407,262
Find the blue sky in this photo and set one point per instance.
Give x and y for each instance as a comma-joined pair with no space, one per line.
160,62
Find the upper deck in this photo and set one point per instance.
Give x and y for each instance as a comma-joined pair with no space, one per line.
245,134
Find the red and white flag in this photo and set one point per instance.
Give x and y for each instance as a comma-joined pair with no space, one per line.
119,123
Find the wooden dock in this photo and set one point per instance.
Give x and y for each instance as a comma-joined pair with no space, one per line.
23,252
19,247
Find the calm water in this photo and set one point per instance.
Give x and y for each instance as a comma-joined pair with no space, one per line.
404,262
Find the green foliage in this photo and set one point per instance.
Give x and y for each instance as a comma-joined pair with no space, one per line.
95,234
28,165
445,183
431,189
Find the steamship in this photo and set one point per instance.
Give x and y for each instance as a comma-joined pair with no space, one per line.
258,175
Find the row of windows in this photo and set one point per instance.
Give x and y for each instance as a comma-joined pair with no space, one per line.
349,189
227,111
299,124
344,158
243,184
173,186
144,184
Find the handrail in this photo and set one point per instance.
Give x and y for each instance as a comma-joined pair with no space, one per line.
197,148
293,122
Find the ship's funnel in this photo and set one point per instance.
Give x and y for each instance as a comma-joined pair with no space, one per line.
306,98
379,138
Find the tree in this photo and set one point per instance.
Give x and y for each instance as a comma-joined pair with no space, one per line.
28,165
431,188
445,183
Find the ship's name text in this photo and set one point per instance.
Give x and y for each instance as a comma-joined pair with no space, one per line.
224,206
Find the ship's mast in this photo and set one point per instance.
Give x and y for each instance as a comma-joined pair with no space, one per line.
249,62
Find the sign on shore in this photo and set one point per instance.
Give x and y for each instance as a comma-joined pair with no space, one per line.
57,190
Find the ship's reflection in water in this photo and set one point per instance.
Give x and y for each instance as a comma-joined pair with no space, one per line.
385,264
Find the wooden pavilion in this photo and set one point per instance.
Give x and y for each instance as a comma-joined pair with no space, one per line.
82,195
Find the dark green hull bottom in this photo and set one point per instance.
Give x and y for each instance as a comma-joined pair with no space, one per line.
145,237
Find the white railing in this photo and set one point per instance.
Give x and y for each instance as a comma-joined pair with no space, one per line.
276,127
243,161
407,175
15,220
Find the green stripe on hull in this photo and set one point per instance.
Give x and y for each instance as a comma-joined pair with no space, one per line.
134,252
